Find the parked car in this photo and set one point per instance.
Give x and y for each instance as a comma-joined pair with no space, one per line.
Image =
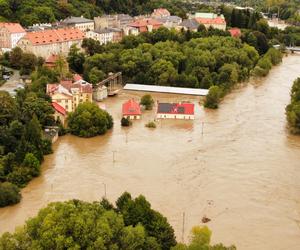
6,77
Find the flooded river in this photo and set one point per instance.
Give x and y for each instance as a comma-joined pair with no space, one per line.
242,172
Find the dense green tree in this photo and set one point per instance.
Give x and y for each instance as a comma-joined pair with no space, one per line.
95,75
147,101
293,109
9,194
213,97
200,240
138,211
89,120
76,59
80,225
8,108
91,46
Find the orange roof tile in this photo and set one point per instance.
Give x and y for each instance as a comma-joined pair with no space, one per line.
217,20
145,22
54,36
13,27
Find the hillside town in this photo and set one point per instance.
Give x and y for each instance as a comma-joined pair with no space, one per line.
57,38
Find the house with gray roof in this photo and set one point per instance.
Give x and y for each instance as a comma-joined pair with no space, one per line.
80,23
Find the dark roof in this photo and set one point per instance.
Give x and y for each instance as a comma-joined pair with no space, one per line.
75,19
176,108
190,24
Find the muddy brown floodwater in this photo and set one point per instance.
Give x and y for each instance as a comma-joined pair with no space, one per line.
243,172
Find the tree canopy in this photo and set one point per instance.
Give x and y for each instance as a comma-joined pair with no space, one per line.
99,225
89,120
293,109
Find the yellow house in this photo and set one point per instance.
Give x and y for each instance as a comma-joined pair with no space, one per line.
70,94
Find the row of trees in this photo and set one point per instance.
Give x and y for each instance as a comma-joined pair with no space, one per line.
132,224
293,109
22,145
26,62
198,63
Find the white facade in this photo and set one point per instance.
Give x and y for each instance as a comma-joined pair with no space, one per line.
132,117
100,93
175,116
102,37
15,37
85,26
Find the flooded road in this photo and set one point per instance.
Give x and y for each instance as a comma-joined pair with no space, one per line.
243,172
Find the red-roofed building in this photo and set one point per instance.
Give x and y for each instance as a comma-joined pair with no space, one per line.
69,94
10,34
217,22
131,110
160,12
46,42
51,60
184,111
60,113
146,24
235,32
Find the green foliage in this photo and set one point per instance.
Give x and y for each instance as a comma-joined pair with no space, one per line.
200,240
197,63
9,194
8,108
89,120
25,62
125,122
147,101
138,211
76,59
213,97
293,109
264,65
81,225
151,124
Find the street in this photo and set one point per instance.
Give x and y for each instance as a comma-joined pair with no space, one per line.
13,83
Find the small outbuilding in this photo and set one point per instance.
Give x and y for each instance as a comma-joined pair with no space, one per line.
60,113
131,110
183,111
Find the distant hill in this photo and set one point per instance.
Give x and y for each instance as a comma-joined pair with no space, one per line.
28,12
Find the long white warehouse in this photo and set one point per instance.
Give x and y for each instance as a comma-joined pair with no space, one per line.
165,89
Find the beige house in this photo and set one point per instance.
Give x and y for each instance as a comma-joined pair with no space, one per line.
80,23
46,42
70,94
119,21
10,34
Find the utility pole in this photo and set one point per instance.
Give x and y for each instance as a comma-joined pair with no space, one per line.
114,160
104,189
183,223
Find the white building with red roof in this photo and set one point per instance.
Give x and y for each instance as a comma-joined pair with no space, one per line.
183,111
131,110
10,34
55,41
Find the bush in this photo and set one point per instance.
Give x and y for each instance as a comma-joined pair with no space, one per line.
151,124
9,194
272,57
89,120
293,109
147,101
125,122
213,97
